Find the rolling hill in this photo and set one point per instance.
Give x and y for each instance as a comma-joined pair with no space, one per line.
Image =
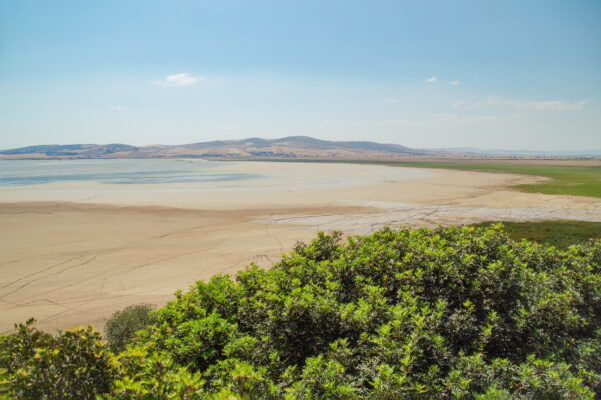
289,147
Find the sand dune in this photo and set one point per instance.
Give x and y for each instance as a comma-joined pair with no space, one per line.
73,253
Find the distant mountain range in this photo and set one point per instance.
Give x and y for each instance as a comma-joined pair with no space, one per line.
288,147
293,147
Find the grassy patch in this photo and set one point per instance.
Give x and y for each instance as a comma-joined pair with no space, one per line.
560,234
569,180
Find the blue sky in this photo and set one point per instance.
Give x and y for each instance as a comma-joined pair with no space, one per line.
488,74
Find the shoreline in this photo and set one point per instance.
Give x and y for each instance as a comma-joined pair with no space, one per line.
72,254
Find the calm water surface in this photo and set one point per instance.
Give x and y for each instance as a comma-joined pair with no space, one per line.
35,172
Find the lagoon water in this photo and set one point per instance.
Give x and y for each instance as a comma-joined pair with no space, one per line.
184,183
35,172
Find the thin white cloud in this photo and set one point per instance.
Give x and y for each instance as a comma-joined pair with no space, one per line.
182,79
117,108
534,105
227,127
459,103
333,123
463,119
325,122
455,82
432,79
444,120
390,101
347,123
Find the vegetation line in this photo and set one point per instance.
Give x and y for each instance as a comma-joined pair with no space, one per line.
561,234
564,180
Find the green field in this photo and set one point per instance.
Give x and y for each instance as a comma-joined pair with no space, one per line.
560,234
569,180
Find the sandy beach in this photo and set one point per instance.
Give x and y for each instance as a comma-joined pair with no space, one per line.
71,253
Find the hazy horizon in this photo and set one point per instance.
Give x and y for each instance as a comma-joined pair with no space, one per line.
490,75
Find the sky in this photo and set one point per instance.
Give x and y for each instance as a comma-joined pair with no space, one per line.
424,74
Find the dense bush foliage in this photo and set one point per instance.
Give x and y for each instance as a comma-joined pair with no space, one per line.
444,313
71,365
122,326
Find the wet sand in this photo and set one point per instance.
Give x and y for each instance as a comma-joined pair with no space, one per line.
73,253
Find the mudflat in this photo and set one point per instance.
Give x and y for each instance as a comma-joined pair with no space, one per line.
71,253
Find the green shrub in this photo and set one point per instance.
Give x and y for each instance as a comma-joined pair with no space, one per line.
444,313
121,327
147,375
37,365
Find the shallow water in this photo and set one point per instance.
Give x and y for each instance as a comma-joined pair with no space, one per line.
35,172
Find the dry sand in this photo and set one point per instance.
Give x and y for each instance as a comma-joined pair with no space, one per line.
73,253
